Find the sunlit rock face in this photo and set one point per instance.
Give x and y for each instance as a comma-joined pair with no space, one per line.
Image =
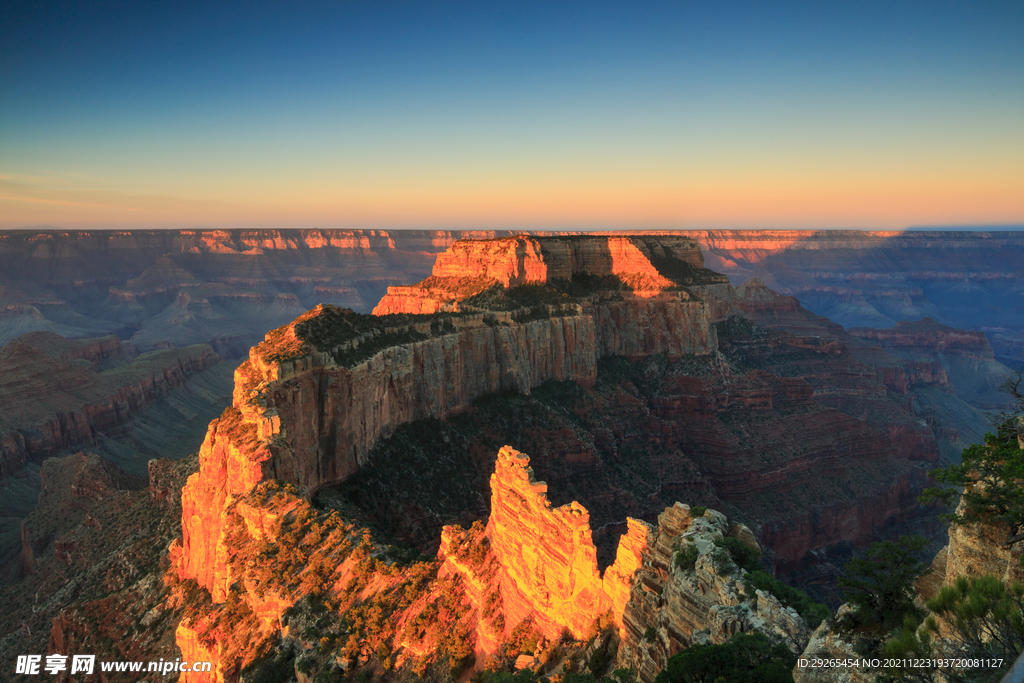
314,398
308,408
547,556
646,265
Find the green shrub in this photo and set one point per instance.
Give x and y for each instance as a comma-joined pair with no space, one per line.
723,558
812,612
686,559
880,586
698,511
746,657
984,618
743,555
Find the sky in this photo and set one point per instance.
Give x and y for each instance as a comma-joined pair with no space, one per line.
532,115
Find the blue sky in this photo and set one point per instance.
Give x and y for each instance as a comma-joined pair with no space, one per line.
395,114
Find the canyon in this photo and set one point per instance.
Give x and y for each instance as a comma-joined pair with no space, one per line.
236,284
632,375
316,397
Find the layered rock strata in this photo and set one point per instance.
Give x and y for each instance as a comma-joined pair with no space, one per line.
645,264
57,394
311,405
317,394
311,415
672,606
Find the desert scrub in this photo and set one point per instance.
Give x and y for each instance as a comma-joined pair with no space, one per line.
444,625
232,425
327,326
686,559
304,553
471,547
280,345
742,555
812,612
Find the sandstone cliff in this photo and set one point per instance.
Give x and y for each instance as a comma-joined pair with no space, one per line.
99,541
724,408
236,284
313,399
973,550
527,581
547,561
71,282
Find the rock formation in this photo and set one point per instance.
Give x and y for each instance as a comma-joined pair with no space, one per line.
547,561
309,404
98,537
315,398
470,267
973,550
85,284
672,606
224,287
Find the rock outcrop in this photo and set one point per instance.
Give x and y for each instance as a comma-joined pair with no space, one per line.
223,287
547,559
927,335
673,604
318,394
310,415
89,283
312,405
829,643
99,540
977,549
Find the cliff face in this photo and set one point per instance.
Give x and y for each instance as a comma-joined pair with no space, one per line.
177,288
317,421
948,376
311,420
978,549
529,576
310,403
964,279
928,335
97,584
646,265
714,406
79,283
59,394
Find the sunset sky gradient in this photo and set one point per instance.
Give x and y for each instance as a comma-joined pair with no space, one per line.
491,114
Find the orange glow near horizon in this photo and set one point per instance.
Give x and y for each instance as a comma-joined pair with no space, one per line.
752,201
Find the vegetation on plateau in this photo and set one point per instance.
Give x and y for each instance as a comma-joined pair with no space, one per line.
812,612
